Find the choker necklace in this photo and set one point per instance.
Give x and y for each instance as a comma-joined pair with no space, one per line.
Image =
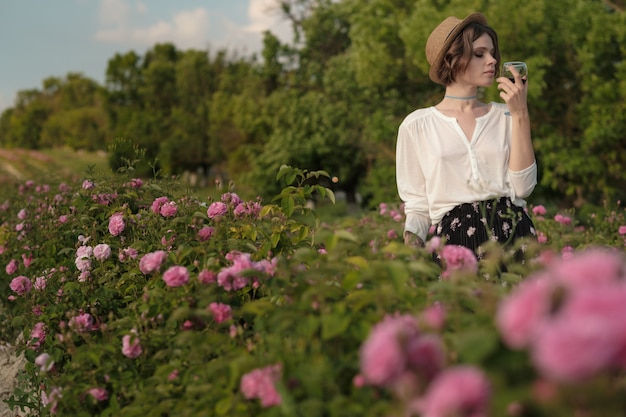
461,98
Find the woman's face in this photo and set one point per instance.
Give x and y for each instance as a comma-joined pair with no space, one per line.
482,67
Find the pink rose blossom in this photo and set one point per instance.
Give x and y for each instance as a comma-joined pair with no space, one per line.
128,253
231,198
539,210
382,209
392,234
88,185
221,312
458,258
522,312
99,394
383,355
541,237
259,384
131,347
176,276
22,214
586,335
564,220
434,316
136,183
63,219
217,209
151,262
44,362
102,252
82,323
83,264
38,332
173,375
11,267
116,224
622,230
433,244
21,285
84,251
426,355
51,400
27,259
169,209
207,277
457,391
590,268
205,233
158,203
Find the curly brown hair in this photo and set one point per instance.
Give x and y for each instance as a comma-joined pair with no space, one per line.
458,56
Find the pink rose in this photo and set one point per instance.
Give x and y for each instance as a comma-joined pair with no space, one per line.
102,252
11,267
589,268
131,347
622,230
539,210
116,224
434,316
585,336
21,285
38,332
221,312
151,262
521,313
383,355
207,277
457,391
44,362
260,383
81,323
458,258
169,209
88,185
564,220
205,233
22,214
99,394
158,203
217,209
176,276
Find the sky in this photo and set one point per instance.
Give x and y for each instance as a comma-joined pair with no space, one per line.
50,38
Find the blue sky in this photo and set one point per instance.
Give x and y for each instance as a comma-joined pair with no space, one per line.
44,38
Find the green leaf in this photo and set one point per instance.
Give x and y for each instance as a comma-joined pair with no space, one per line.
474,346
334,325
288,205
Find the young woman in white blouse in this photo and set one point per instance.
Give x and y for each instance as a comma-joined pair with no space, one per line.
463,165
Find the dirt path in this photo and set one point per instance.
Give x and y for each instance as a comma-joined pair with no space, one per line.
10,365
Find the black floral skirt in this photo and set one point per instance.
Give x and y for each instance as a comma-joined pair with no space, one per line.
472,224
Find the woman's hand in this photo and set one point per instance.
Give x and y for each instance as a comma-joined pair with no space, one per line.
411,239
515,93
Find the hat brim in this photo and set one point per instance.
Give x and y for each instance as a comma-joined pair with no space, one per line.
436,65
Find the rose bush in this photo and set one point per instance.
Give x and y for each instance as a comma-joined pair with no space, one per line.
134,299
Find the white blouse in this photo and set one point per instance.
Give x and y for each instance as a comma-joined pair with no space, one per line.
438,168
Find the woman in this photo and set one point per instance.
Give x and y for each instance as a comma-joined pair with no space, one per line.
463,165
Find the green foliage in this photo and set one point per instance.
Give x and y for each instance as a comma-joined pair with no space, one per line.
310,312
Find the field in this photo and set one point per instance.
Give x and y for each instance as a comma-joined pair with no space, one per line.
135,297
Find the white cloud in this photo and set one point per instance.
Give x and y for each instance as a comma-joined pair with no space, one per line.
266,15
197,28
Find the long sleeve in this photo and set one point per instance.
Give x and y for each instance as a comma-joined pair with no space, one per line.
411,184
523,182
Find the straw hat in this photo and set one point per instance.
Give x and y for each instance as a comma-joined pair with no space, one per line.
442,37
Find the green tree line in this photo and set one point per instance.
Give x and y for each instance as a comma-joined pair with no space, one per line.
333,98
